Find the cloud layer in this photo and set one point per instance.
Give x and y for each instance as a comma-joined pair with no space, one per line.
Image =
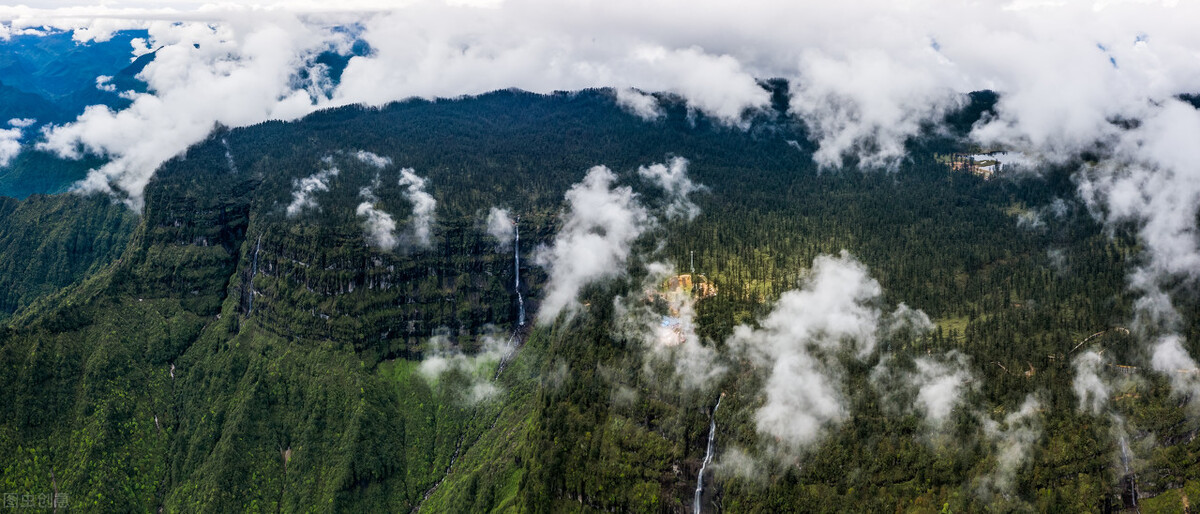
864,76
442,357
10,141
379,227
1077,75
672,178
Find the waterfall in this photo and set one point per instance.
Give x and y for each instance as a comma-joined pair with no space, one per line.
517,266
229,156
1129,474
253,273
712,434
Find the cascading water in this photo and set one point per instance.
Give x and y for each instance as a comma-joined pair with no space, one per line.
517,266
253,273
1133,493
712,434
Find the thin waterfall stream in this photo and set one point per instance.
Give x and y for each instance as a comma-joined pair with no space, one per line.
1129,475
712,435
517,266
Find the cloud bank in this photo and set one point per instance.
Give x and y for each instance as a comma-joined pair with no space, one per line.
1090,389
864,76
373,159
1012,439
940,386
423,206
1073,76
10,140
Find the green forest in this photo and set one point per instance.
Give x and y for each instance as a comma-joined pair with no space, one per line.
215,353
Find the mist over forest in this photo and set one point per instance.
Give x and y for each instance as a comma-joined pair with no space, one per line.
524,256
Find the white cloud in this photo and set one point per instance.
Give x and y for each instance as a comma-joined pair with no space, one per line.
10,145
236,73
1152,181
500,226
442,357
934,387
834,310
867,103
940,383
10,139
735,462
1170,357
715,84
667,328
672,178
373,159
907,322
1090,389
640,104
865,76
102,83
598,231
304,189
423,207
1012,439
378,226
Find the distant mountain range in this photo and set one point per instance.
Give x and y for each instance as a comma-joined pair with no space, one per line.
52,78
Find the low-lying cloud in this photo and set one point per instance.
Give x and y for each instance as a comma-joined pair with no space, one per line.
303,190
378,161
442,357
423,203
1012,440
500,227
1096,76
599,228
10,144
1090,388
663,317
642,105
835,314
672,178
940,386
379,227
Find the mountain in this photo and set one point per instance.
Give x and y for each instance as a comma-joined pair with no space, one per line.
51,79
215,353
59,69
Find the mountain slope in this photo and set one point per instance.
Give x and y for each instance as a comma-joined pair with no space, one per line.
233,357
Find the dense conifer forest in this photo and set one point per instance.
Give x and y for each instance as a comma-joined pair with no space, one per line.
216,352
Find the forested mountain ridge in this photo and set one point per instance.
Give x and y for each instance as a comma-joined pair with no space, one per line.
227,354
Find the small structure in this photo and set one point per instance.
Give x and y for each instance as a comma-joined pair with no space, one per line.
696,285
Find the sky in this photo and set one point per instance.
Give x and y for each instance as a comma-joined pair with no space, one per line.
864,77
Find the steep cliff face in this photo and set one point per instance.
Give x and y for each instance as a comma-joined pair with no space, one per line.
237,357
253,341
